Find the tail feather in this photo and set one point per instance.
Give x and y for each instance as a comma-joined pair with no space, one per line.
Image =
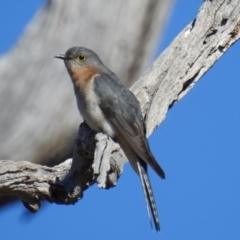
148,194
145,192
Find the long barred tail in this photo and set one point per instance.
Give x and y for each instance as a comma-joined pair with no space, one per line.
148,194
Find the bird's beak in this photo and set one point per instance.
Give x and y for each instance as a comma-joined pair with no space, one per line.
61,56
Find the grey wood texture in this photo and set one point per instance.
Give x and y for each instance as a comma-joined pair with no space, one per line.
99,160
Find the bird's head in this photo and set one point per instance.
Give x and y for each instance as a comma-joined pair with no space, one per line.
80,58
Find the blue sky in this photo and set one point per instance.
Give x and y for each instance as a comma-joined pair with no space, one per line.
197,145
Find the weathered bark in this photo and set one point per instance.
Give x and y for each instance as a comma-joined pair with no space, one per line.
172,75
39,118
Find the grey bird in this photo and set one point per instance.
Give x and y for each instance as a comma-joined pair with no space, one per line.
108,106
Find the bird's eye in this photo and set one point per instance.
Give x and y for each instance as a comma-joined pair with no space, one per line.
81,57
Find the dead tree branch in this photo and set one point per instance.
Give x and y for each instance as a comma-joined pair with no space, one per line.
99,160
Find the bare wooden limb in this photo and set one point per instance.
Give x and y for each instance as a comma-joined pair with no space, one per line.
64,183
30,182
192,53
172,75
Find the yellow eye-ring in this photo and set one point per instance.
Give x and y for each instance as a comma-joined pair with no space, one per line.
81,57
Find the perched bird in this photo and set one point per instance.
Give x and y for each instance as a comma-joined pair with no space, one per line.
108,106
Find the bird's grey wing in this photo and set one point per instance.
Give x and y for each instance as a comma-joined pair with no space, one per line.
123,111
